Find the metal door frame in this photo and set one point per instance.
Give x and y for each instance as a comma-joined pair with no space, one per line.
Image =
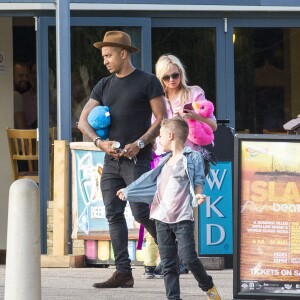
43,24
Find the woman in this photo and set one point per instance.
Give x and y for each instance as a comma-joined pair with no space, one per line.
172,76
171,73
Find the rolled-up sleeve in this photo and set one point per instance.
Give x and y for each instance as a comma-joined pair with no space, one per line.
198,176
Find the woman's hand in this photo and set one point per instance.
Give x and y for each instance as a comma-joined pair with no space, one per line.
177,111
190,114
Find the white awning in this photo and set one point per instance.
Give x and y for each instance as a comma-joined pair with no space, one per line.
149,7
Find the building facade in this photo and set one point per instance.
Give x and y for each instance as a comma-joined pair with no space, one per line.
244,55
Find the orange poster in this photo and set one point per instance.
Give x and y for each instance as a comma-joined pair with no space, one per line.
270,217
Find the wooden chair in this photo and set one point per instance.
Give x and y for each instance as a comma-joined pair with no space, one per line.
23,148
267,131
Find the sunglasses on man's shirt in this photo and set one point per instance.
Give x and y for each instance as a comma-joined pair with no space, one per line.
168,77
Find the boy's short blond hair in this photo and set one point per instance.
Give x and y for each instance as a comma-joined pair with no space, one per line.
178,126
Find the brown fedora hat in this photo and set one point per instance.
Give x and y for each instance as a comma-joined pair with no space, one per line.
117,39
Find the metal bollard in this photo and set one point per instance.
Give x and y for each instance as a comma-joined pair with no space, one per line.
23,259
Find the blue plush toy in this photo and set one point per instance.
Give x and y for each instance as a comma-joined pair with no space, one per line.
99,119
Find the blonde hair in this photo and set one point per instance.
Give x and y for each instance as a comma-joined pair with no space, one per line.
178,126
161,67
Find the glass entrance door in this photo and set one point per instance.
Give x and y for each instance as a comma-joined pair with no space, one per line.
86,69
199,44
267,82
196,48
86,62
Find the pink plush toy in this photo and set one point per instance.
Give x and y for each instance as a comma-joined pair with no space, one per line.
200,133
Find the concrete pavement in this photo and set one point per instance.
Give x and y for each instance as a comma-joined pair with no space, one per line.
76,284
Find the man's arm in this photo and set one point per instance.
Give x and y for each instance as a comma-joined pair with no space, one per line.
19,114
159,111
83,124
87,130
20,122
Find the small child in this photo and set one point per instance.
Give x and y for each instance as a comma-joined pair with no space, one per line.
174,187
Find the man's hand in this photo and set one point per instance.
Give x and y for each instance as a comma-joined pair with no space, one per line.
107,147
131,150
121,195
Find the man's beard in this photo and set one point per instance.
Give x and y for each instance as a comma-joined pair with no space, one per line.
22,88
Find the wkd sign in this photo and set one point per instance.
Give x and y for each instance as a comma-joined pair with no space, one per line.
215,215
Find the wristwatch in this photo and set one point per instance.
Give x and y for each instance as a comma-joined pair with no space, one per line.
140,144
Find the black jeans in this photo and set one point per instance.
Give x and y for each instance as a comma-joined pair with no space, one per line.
116,175
179,237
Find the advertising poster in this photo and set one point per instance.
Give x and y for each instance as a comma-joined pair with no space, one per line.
269,250
89,221
215,215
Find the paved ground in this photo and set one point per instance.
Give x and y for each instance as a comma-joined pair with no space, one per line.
76,284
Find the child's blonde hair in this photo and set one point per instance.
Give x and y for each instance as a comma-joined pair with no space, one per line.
178,126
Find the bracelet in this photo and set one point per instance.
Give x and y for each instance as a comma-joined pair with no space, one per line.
96,139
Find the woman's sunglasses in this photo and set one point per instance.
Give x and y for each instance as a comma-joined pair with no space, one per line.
168,77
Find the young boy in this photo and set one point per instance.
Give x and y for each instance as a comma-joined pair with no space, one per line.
174,187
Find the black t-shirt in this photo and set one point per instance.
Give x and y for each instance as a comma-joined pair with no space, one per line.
128,99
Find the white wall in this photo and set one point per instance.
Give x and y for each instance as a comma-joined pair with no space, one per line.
6,120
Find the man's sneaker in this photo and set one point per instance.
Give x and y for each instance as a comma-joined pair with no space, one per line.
158,272
149,272
116,280
213,294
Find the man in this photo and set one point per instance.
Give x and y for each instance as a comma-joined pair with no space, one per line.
21,77
30,99
21,85
132,96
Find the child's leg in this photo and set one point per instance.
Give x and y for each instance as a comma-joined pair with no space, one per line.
168,256
186,248
150,256
151,251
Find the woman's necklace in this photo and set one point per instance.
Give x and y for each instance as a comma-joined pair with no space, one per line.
170,99
170,105
173,96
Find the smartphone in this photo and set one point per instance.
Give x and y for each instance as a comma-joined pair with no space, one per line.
188,106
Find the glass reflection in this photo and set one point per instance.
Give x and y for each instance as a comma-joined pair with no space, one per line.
266,84
86,68
196,49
